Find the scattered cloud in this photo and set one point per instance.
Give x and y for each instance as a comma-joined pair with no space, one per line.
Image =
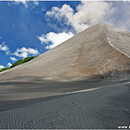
13,58
26,3
9,64
43,9
36,3
54,38
5,48
25,52
1,67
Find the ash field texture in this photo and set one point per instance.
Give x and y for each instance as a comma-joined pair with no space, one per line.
104,104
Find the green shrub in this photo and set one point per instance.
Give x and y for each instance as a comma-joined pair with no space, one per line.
22,61
4,69
19,62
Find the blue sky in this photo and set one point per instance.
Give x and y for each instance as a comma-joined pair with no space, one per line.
32,28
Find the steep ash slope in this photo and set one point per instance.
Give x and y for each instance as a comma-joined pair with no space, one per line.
98,50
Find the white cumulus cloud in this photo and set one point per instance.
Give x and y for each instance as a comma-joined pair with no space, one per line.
25,52
36,3
1,67
54,38
26,3
9,64
4,47
13,58
87,14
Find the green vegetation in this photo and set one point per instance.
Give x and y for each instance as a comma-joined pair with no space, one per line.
19,62
4,69
22,61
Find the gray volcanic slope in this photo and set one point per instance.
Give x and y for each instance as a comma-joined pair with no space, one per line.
28,101
98,50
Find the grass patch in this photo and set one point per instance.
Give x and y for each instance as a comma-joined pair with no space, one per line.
19,62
